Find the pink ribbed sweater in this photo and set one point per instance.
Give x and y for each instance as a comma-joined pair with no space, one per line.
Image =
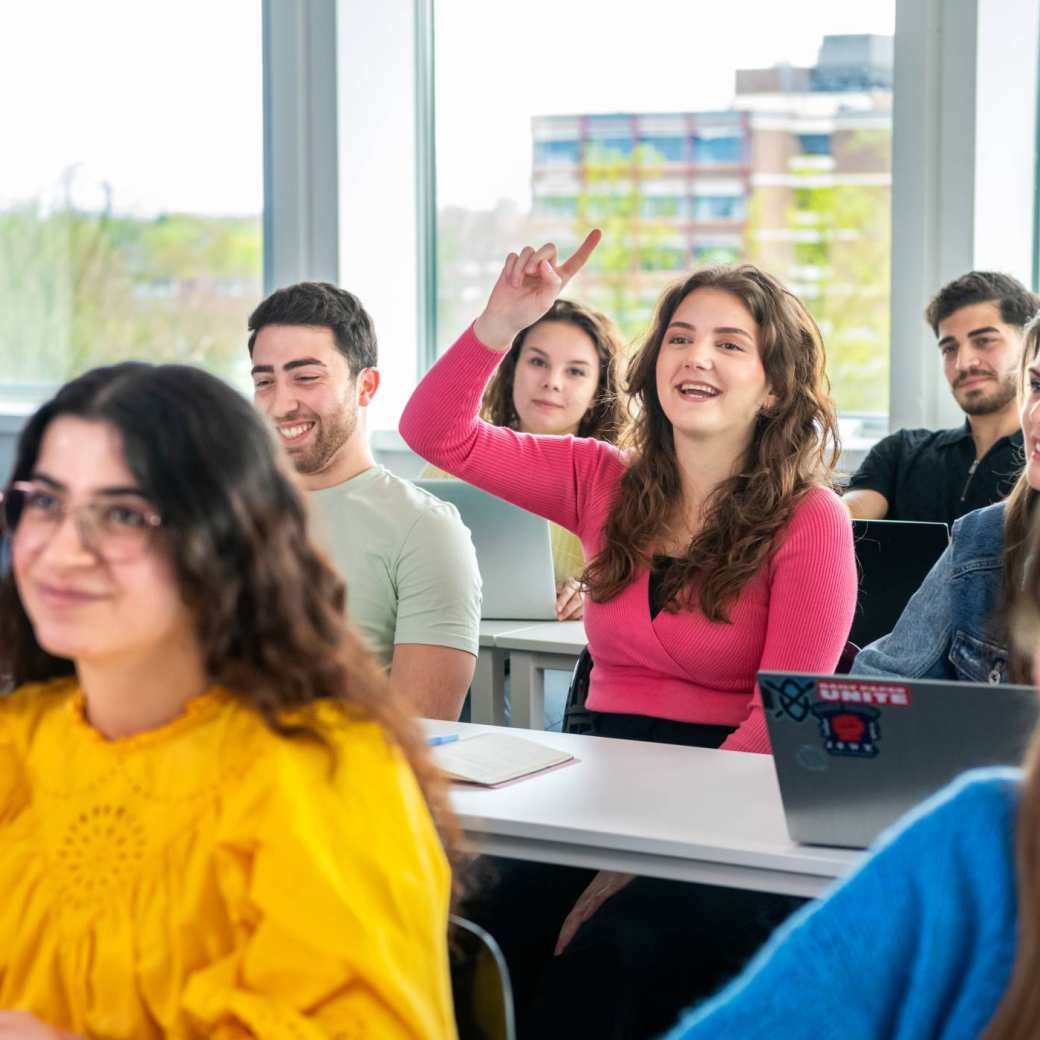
794,615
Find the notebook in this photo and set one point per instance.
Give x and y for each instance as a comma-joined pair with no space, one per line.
490,759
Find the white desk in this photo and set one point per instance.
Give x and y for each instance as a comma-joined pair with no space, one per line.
532,650
690,814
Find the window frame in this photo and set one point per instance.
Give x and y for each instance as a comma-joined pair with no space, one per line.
955,174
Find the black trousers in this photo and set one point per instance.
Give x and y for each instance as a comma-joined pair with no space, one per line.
651,950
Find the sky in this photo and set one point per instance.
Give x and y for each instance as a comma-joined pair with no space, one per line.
162,101
499,64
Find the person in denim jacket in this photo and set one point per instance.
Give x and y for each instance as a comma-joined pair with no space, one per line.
952,628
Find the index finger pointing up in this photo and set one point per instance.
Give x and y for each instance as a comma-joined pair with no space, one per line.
570,267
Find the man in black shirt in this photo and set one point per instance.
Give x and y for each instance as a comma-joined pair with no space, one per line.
943,474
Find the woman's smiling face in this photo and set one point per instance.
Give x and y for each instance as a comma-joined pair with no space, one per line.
709,375
83,604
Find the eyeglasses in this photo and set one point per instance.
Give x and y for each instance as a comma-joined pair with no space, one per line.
115,530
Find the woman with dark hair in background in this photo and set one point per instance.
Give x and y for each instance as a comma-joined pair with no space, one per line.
561,377
716,549
213,817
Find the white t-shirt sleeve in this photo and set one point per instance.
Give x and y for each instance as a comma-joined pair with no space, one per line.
438,583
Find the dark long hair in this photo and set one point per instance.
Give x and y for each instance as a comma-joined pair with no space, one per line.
793,448
606,417
268,607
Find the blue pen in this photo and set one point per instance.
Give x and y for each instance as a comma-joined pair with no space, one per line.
447,738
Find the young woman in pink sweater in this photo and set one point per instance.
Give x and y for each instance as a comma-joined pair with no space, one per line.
716,547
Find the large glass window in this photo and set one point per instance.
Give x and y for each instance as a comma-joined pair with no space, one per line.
717,145
132,186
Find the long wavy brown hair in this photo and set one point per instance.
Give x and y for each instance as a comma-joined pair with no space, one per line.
794,447
606,417
1019,1010
1018,513
268,607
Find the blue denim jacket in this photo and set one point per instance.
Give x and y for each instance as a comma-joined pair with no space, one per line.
947,630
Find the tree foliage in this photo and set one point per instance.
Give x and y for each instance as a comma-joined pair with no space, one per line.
81,288
613,198
840,262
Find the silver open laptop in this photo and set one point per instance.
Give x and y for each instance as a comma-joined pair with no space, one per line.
854,753
513,552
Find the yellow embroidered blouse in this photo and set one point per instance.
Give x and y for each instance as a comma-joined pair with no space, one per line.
209,878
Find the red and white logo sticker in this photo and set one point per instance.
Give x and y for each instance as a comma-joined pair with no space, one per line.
848,691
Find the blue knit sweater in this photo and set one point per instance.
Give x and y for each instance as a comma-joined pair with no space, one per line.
919,942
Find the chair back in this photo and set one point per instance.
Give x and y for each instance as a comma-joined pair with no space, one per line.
575,714
848,656
480,984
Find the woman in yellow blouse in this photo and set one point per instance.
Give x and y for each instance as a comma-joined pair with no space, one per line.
214,820
561,376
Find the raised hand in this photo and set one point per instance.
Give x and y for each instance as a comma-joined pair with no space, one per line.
526,288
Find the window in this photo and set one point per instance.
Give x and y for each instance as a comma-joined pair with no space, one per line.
557,205
726,150
815,144
669,149
603,149
563,152
711,208
664,256
706,252
772,148
653,207
130,212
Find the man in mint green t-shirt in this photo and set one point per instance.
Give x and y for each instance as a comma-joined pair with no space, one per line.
413,587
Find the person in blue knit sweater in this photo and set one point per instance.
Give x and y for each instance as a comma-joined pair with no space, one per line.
938,933
920,942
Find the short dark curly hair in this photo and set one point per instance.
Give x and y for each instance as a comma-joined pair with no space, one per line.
1017,304
324,305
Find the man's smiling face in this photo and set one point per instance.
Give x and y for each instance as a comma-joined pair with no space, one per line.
980,355
303,383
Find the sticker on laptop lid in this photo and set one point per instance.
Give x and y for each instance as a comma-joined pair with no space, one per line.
849,730
854,691
788,697
810,757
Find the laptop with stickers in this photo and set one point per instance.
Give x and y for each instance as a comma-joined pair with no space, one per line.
893,558
854,754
